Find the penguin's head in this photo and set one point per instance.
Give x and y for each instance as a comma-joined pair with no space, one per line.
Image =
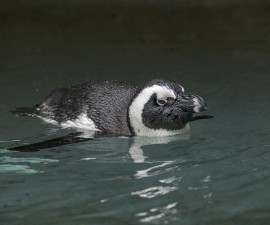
163,108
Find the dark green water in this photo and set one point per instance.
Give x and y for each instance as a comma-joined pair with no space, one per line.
221,175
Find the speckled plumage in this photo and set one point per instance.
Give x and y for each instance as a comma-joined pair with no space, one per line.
160,108
105,103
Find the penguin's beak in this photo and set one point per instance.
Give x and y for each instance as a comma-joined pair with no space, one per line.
192,103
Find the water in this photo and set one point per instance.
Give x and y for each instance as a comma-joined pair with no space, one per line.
220,175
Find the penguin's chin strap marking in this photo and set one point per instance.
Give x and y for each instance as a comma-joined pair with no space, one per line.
202,117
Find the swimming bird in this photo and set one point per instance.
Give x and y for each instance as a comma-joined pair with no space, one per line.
159,108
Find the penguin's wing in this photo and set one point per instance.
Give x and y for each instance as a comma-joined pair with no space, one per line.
56,142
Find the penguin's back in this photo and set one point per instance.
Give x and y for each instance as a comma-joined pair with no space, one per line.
95,105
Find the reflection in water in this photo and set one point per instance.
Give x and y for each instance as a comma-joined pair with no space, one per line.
166,175
197,188
88,158
152,171
10,141
24,169
206,179
26,160
155,214
16,166
170,180
168,185
5,151
153,192
136,151
134,146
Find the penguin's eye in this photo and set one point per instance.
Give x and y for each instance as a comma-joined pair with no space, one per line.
168,100
161,102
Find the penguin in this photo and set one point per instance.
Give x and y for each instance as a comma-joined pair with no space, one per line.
159,108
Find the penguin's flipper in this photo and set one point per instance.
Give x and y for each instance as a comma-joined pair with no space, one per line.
55,142
194,118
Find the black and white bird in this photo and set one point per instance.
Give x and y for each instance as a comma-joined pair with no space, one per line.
160,108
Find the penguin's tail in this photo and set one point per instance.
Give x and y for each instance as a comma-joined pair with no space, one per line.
24,111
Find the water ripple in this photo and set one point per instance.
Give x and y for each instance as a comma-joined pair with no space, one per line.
24,169
155,214
152,171
153,192
206,179
170,180
8,166
26,160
